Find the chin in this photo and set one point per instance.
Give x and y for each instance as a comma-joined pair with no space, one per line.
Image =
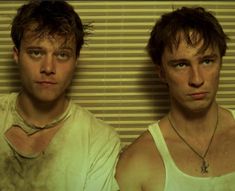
200,107
46,97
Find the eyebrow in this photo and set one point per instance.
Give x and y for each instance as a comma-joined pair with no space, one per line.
33,47
173,61
65,48
60,48
212,55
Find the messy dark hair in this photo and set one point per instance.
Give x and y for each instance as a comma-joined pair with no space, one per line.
195,24
54,17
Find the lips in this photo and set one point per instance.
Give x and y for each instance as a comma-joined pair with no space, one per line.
46,83
198,95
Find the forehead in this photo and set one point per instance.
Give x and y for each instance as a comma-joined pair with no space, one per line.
33,37
191,44
185,52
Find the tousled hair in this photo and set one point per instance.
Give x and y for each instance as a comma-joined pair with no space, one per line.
194,23
54,17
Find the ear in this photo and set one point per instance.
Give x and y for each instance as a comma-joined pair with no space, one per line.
77,61
161,73
16,55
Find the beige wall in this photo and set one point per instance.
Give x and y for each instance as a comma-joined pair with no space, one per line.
115,79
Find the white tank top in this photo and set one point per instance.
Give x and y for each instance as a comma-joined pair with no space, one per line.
176,180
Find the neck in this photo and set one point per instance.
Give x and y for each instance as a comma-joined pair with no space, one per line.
38,112
197,122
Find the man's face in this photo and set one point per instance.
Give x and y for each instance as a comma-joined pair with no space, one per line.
192,76
46,66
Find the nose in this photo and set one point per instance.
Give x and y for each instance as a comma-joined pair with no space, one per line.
48,65
196,78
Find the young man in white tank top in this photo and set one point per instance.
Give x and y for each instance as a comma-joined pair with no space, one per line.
191,148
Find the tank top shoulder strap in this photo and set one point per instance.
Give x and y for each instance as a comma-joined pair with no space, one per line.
160,143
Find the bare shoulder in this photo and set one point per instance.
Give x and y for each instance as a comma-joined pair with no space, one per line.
140,166
228,120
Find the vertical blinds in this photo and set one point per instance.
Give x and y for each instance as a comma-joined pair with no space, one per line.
115,79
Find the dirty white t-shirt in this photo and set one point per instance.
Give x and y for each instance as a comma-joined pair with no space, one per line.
80,157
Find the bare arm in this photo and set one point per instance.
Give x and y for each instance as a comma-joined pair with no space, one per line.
128,173
140,167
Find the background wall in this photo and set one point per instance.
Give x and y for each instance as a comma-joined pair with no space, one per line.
115,79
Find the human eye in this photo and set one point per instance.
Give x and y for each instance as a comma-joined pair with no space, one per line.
207,61
35,53
180,65
63,55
